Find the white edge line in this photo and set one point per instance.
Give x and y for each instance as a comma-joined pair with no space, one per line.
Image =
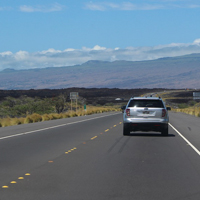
43,129
189,143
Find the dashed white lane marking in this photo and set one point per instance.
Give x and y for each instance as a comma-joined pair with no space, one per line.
189,143
43,129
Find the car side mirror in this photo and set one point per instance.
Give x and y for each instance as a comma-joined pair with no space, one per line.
123,108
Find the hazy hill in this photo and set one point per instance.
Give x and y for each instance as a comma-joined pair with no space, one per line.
175,72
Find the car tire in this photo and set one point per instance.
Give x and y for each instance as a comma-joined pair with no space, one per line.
126,130
165,131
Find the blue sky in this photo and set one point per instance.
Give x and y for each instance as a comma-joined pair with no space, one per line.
32,33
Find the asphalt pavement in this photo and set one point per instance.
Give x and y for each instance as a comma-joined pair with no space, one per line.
88,158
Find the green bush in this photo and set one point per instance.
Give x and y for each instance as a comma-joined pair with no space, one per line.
192,103
183,105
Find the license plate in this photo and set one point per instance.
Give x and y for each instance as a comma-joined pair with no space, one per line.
145,112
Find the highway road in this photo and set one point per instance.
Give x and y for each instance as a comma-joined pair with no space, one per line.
88,158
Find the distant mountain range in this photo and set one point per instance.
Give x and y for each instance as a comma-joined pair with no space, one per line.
172,72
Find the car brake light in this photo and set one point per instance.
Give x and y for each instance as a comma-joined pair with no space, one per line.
163,112
128,112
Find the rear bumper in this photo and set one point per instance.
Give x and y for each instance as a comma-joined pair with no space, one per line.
157,127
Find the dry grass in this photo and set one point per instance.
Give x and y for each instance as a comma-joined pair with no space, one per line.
33,118
46,117
191,110
11,121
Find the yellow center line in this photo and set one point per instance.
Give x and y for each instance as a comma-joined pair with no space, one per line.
13,182
93,137
28,174
5,186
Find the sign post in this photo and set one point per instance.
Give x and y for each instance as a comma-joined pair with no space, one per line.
73,96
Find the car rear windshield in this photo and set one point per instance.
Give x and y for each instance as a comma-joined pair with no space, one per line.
146,103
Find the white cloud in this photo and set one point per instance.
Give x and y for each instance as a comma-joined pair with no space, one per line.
95,6
130,6
122,6
69,49
95,48
149,5
70,57
52,51
21,55
98,48
197,41
41,8
6,53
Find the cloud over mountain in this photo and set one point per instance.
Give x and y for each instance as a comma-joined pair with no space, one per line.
70,57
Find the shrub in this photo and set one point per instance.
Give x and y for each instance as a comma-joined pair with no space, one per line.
81,112
192,103
65,115
182,106
17,121
33,118
28,120
46,117
6,122
54,116
73,114
57,116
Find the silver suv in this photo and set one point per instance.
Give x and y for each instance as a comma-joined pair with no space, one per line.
145,114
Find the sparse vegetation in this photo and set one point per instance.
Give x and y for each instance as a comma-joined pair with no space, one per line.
190,110
23,110
20,107
29,109
7,121
182,101
183,105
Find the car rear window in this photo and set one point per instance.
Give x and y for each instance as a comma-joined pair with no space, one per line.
146,103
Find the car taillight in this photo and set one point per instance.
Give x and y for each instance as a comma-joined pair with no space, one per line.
128,112
163,112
